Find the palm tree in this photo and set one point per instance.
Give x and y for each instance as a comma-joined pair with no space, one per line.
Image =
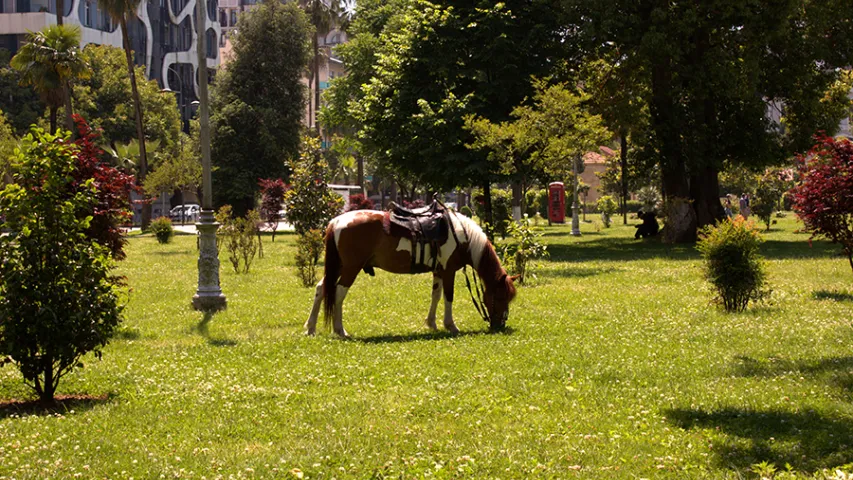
50,61
324,15
121,12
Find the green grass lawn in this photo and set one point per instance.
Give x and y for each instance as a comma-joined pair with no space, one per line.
615,365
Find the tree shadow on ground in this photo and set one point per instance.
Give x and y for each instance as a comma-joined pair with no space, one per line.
835,371
203,329
62,405
627,249
429,336
577,272
832,295
807,440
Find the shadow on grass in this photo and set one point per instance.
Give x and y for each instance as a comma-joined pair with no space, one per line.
626,249
832,295
425,336
835,371
62,405
577,272
203,328
807,440
127,334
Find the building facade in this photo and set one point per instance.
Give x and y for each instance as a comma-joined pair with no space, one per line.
164,36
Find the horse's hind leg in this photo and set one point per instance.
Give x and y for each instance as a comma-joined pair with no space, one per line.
449,324
436,296
311,324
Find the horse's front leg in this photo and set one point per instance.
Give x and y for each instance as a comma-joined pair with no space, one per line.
347,279
447,279
436,295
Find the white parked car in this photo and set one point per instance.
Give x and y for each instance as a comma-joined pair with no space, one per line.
185,213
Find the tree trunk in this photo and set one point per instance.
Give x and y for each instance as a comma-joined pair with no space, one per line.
69,121
516,200
680,216
53,120
394,191
140,134
487,208
60,11
623,163
360,162
316,83
705,192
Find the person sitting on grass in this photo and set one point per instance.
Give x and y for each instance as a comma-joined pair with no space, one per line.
649,227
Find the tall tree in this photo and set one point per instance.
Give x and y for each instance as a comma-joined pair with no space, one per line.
324,15
50,61
711,70
258,102
122,12
106,102
446,60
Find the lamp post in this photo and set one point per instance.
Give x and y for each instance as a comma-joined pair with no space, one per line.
576,231
209,297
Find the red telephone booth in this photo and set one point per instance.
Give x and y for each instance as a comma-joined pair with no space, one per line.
557,202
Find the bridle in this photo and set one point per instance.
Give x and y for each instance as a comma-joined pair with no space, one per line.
479,303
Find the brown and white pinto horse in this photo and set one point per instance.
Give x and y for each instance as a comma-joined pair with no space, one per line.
357,240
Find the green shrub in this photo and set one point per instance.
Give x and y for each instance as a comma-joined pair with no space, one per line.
162,229
501,210
523,249
466,210
240,237
309,247
309,202
732,262
58,298
607,206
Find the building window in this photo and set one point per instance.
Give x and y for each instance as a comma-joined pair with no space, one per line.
87,14
233,18
223,19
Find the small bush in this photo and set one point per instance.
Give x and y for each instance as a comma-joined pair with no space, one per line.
607,206
162,229
240,237
732,262
58,297
523,249
466,210
309,247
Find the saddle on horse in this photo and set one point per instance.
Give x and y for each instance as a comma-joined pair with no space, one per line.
423,226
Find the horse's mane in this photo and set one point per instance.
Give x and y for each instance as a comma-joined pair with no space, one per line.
478,242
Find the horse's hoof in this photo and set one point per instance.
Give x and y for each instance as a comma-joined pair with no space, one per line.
452,329
430,323
309,333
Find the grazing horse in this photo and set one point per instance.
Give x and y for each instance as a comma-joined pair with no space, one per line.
360,240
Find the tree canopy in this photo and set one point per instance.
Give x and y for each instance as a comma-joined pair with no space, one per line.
258,102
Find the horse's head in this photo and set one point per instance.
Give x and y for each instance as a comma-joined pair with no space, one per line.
497,298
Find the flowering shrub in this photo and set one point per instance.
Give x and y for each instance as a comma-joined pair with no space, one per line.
359,202
824,198
162,229
732,262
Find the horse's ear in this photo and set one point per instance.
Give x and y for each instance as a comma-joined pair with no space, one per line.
515,278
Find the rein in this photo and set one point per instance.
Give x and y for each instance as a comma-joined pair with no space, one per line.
478,302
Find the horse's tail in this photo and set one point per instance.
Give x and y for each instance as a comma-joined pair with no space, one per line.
332,271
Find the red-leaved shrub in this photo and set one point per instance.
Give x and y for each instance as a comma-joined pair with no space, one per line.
359,202
824,197
272,196
113,190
